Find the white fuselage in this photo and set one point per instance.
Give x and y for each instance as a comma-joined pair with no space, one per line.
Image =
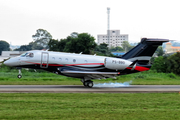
68,59
82,66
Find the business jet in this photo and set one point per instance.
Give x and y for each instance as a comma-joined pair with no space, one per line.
89,67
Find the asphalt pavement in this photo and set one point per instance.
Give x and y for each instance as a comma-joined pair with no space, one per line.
82,89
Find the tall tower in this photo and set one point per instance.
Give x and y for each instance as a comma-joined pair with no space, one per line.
108,25
108,20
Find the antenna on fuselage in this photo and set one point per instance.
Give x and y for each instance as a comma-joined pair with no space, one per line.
80,53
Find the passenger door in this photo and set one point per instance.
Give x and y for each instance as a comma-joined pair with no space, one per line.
44,60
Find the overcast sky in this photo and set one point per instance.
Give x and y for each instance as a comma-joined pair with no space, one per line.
19,19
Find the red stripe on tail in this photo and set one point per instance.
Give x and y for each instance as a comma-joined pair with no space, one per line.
139,68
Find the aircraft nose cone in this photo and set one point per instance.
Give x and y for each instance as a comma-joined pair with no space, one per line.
7,63
11,62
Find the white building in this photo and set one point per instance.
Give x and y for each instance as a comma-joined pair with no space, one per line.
11,53
113,39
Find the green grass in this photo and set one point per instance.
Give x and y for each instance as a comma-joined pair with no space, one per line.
152,78
35,78
46,78
90,106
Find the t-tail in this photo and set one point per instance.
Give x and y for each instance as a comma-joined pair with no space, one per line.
144,50
141,54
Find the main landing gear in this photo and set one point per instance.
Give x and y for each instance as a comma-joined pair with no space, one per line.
87,83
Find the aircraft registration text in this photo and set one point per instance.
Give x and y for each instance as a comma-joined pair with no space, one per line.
118,62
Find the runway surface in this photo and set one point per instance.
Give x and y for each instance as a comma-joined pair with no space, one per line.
82,89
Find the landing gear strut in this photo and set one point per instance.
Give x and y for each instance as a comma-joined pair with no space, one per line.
87,83
20,74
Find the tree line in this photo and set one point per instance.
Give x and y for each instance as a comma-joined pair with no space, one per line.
74,43
4,46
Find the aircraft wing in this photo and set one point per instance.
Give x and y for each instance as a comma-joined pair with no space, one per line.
90,74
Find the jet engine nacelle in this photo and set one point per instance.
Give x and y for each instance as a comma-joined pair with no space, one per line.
116,63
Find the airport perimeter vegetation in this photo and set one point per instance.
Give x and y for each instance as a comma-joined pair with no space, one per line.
88,106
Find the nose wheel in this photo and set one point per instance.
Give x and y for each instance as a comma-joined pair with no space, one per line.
19,76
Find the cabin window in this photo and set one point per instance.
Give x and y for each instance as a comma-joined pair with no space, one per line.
60,59
66,59
74,60
53,58
85,61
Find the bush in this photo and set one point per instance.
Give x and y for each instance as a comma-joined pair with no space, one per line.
159,64
167,64
172,75
173,63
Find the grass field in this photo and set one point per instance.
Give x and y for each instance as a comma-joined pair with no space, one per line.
90,106
45,78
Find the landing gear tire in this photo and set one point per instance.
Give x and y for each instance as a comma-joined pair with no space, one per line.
19,76
88,84
85,84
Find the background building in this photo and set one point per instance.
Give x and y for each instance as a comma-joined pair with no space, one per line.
113,39
171,49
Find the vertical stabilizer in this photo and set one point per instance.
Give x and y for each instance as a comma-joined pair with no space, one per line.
144,50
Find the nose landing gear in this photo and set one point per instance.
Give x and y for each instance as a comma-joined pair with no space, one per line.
20,74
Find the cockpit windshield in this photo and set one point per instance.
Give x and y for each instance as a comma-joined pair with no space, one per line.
23,55
27,54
